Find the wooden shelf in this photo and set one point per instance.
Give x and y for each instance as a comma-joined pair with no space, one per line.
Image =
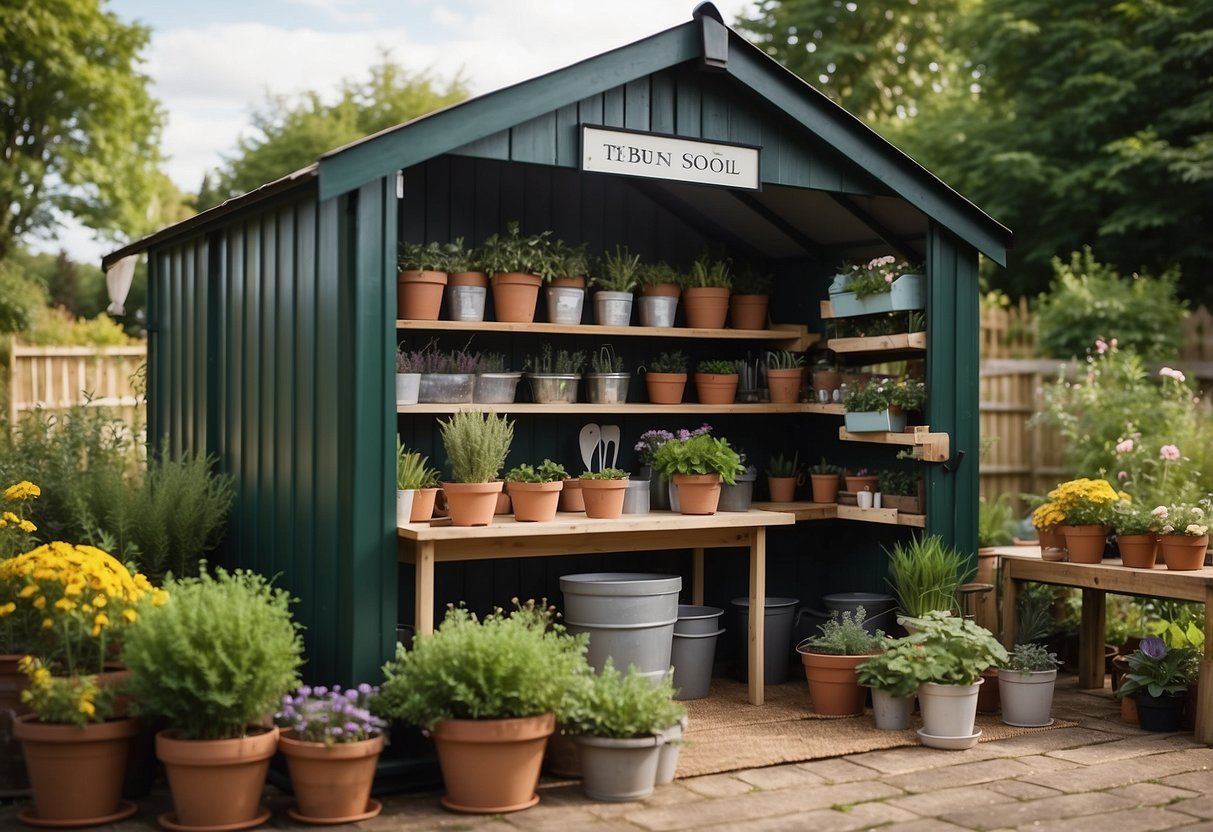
625,408
930,447
807,512
795,337
902,342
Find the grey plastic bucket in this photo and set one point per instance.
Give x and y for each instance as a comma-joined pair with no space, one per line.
697,620
694,655
630,617
466,303
777,641
565,304
737,497
880,609
656,310
636,499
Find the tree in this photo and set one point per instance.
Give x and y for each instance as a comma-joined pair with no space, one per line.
80,128
291,132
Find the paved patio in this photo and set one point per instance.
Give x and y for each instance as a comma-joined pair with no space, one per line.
1099,775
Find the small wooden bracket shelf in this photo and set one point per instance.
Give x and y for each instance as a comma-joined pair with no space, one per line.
929,447
794,337
901,342
808,512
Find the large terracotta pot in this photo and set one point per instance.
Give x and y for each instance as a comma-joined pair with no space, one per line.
535,501
825,488
665,388
423,504
570,496
515,295
491,765
12,682
603,498
716,388
332,783
1138,550
419,294
200,772
75,771
1085,543
784,385
471,503
706,307
748,311
1183,553
697,493
833,686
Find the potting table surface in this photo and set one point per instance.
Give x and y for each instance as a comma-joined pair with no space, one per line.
1021,564
426,544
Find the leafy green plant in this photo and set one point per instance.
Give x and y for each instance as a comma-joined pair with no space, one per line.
702,454
946,649
707,273
620,270
509,251
881,394
605,474
843,635
780,466
461,259
673,361
564,260
995,521
784,360
620,705
549,362
717,366
874,277
412,469
430,257
477,443
1155,670
822,467
925,574
889,670
899,482
499,667
750,281
1133,518
546,471
652,274
1030,658
606,361
217,657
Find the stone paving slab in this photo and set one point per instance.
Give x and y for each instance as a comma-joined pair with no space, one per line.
1132,820
1067,806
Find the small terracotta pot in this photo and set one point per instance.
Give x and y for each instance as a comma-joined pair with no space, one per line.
471,503
510,749
503,504
535,501
666,290
1051,538
716,388
828,380
825,487
833,686
467,279
784,385
423,505
332,783
665,388
200,771
697,493
570,496
988,699
419,294
864,483
1183,553
75,772
515,295
706,307
577,282
603,498
1139,551
1085,543
783,489
748,311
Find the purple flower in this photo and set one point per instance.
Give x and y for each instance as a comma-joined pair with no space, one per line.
1153,646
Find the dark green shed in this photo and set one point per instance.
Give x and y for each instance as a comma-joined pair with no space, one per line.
271,316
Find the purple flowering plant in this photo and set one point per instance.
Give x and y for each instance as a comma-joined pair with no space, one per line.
1155,670
651,440
331,715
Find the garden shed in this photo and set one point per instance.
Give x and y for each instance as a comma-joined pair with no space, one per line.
272,327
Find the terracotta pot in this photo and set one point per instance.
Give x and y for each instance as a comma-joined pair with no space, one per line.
577,282
697,493
603,498
864,483
784,385
825,487
828,380
468,279
515,295
666,290
199,771
1128,710
783,489
419,294
570,496
1139,551
511,750
748,311
75,771
833,686
503,505
1051,538
332,783
423,505
12,682
716,388
535,501
1183,553
1085,543
471,503
988,698
706,307
665,388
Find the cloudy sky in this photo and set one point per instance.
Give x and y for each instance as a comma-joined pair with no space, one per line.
212,63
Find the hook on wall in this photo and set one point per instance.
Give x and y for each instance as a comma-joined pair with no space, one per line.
954,463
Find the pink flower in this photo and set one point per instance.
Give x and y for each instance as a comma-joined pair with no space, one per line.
1169,452
1167,372
1159,512
888,277
1101,346
1122,476
1124,447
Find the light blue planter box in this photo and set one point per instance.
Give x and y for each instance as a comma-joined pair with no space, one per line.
908,292
875,421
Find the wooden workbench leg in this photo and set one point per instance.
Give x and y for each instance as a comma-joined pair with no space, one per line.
1010,604
758,615
697,576
424,597
1091,640
1204,695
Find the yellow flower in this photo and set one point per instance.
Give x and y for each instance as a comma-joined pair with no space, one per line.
7,609
40,602
86,707
159,598
65,604
130,615
48,623
12,518
27,527
99,620
24,490
27,590
99,601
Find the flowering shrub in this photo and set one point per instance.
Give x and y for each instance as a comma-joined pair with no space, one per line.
16,531
1184,518
651,440
331,716
1087,502
72,700
875,276
1048,516
699,454
1133,518
1155,670
881,394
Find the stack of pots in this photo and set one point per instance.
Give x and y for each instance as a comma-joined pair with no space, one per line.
694,650
777,643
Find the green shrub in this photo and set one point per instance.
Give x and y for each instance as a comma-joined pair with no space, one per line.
925,574
843,635
620,705
477,443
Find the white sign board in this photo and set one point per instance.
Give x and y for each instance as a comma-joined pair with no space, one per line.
626,153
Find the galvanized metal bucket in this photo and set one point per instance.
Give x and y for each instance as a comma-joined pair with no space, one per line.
446,388
496,388
613,308
565,304
657,310
554,388
607,388
466,303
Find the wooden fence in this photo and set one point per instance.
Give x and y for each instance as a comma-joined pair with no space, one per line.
58,378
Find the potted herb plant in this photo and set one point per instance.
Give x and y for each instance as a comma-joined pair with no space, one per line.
409,366
659,486
618,721
1089,508
420,279
1136,530
1183,535
902,490
830,660
607,383
890,675
415,475
751,294
785,371
495,382
477,443
1047,519
467,284
535,491
660,288
613,300
860,480
446,377
881,404
212,662
1158,679
516,263
331,742
783,475
696,466
824,479
1025,685
665,377
565,271
554,375
882,284
489,690
925,574
706,294
716,381
603,492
